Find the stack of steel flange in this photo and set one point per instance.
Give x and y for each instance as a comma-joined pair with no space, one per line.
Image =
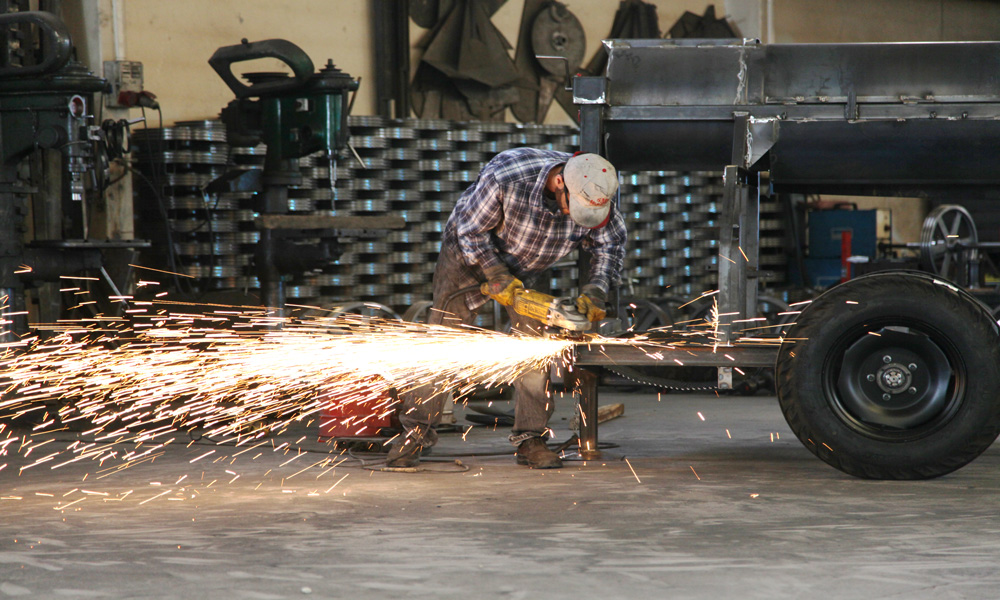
200,236
414,168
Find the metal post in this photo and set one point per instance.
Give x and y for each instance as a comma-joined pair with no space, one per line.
732,266
585,382
750,240
11,288
392,58
589,94
272,201
739,237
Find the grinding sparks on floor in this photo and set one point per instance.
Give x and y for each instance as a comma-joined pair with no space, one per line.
118,383
238,375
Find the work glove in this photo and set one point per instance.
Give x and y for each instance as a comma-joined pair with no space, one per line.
501,285
591,302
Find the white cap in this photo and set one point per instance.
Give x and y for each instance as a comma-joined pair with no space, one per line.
591,182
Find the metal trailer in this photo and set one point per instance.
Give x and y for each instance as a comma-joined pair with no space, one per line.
892,375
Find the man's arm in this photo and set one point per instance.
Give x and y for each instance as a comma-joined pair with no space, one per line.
478,211
607,248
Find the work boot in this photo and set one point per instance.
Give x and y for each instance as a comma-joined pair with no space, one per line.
534,453
405,454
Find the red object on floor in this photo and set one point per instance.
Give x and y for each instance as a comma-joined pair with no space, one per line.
357,412
845,254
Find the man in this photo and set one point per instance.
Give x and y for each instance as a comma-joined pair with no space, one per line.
527,210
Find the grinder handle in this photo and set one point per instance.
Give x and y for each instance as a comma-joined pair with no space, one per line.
283,50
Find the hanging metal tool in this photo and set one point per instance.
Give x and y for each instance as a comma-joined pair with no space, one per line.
424,12
550,49
705,26
465,71
634,19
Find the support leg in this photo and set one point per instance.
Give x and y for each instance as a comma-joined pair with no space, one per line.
586,385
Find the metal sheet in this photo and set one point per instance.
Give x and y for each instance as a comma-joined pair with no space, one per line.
731,72
890,116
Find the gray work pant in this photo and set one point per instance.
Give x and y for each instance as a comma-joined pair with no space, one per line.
421,408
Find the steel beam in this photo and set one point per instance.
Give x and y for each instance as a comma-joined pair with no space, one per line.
662,355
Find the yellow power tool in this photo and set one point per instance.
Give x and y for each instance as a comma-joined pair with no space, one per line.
549,310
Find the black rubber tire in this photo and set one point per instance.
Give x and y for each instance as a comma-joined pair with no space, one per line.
823,376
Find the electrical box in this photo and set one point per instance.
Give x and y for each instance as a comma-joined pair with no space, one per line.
826,227
124,76
826,265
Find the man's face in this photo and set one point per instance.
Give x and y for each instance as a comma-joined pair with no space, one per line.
562,194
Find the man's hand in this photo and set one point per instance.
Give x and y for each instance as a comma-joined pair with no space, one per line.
501,286
591,302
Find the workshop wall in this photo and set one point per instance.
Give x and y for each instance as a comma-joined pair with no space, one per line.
817,21
175,39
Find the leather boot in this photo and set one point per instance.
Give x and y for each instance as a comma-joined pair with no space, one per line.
535,454
404,454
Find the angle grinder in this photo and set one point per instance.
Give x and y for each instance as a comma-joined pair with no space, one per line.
559,313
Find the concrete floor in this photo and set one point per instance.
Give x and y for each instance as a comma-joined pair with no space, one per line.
706,514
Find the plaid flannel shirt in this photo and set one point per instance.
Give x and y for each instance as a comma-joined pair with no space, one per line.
504,219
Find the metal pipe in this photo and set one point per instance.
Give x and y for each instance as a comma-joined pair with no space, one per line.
118,27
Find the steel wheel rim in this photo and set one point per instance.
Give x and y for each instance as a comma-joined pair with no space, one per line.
940,378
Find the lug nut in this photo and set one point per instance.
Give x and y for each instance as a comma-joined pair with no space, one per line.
886,397
887,359
870,377
912,390
912,366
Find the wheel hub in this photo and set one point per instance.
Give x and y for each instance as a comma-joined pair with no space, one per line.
894,378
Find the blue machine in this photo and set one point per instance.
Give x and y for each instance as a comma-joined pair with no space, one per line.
824,265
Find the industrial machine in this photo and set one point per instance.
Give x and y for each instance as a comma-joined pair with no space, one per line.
892,375
53,158
294,115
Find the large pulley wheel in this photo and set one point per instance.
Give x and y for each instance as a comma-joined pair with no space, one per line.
892,376
946,231
418,312
366,309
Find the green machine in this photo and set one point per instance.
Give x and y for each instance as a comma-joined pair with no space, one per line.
295,115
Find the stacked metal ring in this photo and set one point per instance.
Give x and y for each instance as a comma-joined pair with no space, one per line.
415,168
